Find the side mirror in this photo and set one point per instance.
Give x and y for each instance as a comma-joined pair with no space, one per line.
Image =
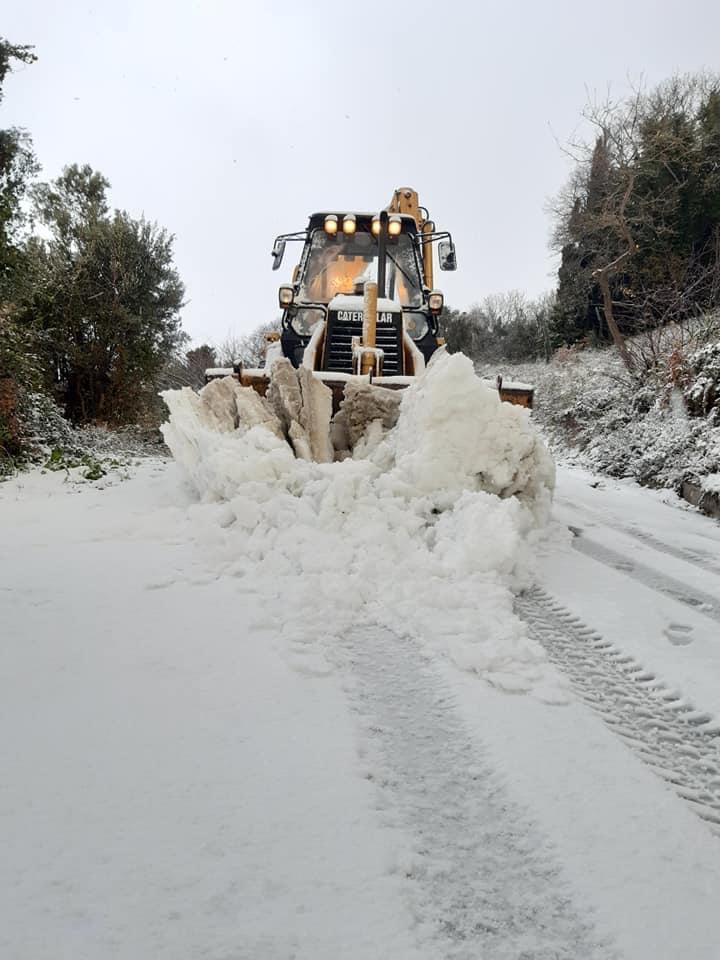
278,251
446,255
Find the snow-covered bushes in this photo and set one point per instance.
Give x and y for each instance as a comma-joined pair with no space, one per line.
660,429
702,393
44,426
44,437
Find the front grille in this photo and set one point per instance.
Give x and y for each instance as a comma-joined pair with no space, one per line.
338,345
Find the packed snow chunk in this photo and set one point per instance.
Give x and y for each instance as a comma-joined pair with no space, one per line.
223,405
216,458
415,533
284,394
219,404
304,406
364,407
315,415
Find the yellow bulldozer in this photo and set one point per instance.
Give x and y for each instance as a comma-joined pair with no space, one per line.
362,305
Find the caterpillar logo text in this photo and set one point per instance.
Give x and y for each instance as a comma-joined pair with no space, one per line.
356,316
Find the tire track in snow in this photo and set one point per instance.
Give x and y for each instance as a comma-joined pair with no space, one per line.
483,876
680,743
704,603
697,557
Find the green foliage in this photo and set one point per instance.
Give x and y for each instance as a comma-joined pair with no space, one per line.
74,202
18,360
17,168
60,459
18,367
56,460
22,53
644,204
89,312
104,300
18,372
183,370
197,362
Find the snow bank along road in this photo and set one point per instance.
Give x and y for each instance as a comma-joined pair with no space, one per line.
205,755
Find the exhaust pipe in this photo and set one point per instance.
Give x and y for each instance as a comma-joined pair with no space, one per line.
367,358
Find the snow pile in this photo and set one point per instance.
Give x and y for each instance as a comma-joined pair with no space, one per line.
660,429
711,483
417,532
454,434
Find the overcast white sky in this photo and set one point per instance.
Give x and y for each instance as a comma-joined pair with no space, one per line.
228,123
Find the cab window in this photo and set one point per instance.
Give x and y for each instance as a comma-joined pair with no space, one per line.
343,264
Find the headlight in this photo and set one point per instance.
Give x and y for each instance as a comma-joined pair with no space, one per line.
286,295
349,223
416,325
394,225
331,224
375,226
305,319
435,301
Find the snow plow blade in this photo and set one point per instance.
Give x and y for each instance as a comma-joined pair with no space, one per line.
520,394
259,379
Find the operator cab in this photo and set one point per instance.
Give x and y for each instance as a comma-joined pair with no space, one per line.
341,253
342,264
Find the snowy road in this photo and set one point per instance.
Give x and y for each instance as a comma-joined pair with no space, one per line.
182,779
670,556
644,573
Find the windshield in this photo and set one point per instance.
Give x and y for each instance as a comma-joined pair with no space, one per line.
342,264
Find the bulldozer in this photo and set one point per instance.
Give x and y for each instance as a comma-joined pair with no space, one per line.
362,306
